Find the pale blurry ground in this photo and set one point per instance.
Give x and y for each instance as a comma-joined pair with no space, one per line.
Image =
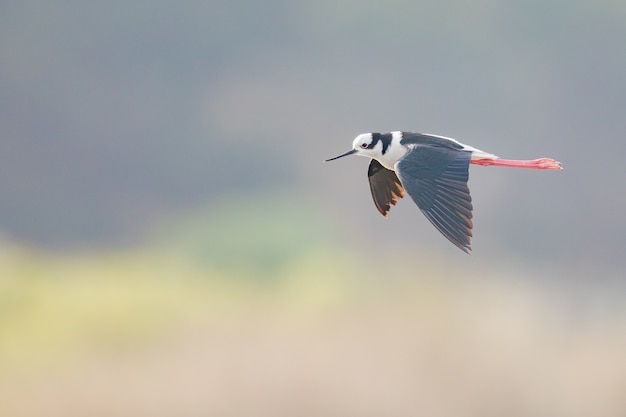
143,334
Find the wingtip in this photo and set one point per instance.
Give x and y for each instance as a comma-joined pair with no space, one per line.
465,248
383,212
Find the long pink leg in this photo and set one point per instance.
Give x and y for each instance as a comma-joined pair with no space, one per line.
541,163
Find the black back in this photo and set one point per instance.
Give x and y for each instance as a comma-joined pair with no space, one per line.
410,138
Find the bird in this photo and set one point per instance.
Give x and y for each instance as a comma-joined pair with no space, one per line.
434,171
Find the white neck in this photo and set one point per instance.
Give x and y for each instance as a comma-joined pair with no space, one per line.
395,151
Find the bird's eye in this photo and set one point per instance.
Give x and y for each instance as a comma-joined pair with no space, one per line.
364,145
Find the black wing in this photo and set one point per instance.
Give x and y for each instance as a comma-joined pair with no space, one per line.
385,186
436,179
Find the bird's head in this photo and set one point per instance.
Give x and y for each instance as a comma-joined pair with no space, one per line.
364,145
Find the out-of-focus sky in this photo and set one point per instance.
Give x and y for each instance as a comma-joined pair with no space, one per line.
117,113
171,242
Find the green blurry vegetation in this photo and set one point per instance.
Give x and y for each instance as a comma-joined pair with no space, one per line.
253,236
271,252
52,306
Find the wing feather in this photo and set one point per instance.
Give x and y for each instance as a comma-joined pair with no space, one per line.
385,186
436,179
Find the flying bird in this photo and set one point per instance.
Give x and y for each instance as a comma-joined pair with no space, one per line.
433,170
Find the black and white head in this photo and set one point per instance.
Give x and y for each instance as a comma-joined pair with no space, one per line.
384,147
371,145
368,144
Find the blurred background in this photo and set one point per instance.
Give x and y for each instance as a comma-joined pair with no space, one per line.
171,243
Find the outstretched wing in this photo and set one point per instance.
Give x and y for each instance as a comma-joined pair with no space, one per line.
436,179
385,186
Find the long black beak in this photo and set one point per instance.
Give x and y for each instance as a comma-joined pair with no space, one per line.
350,152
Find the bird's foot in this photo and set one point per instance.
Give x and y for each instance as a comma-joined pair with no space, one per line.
541,163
